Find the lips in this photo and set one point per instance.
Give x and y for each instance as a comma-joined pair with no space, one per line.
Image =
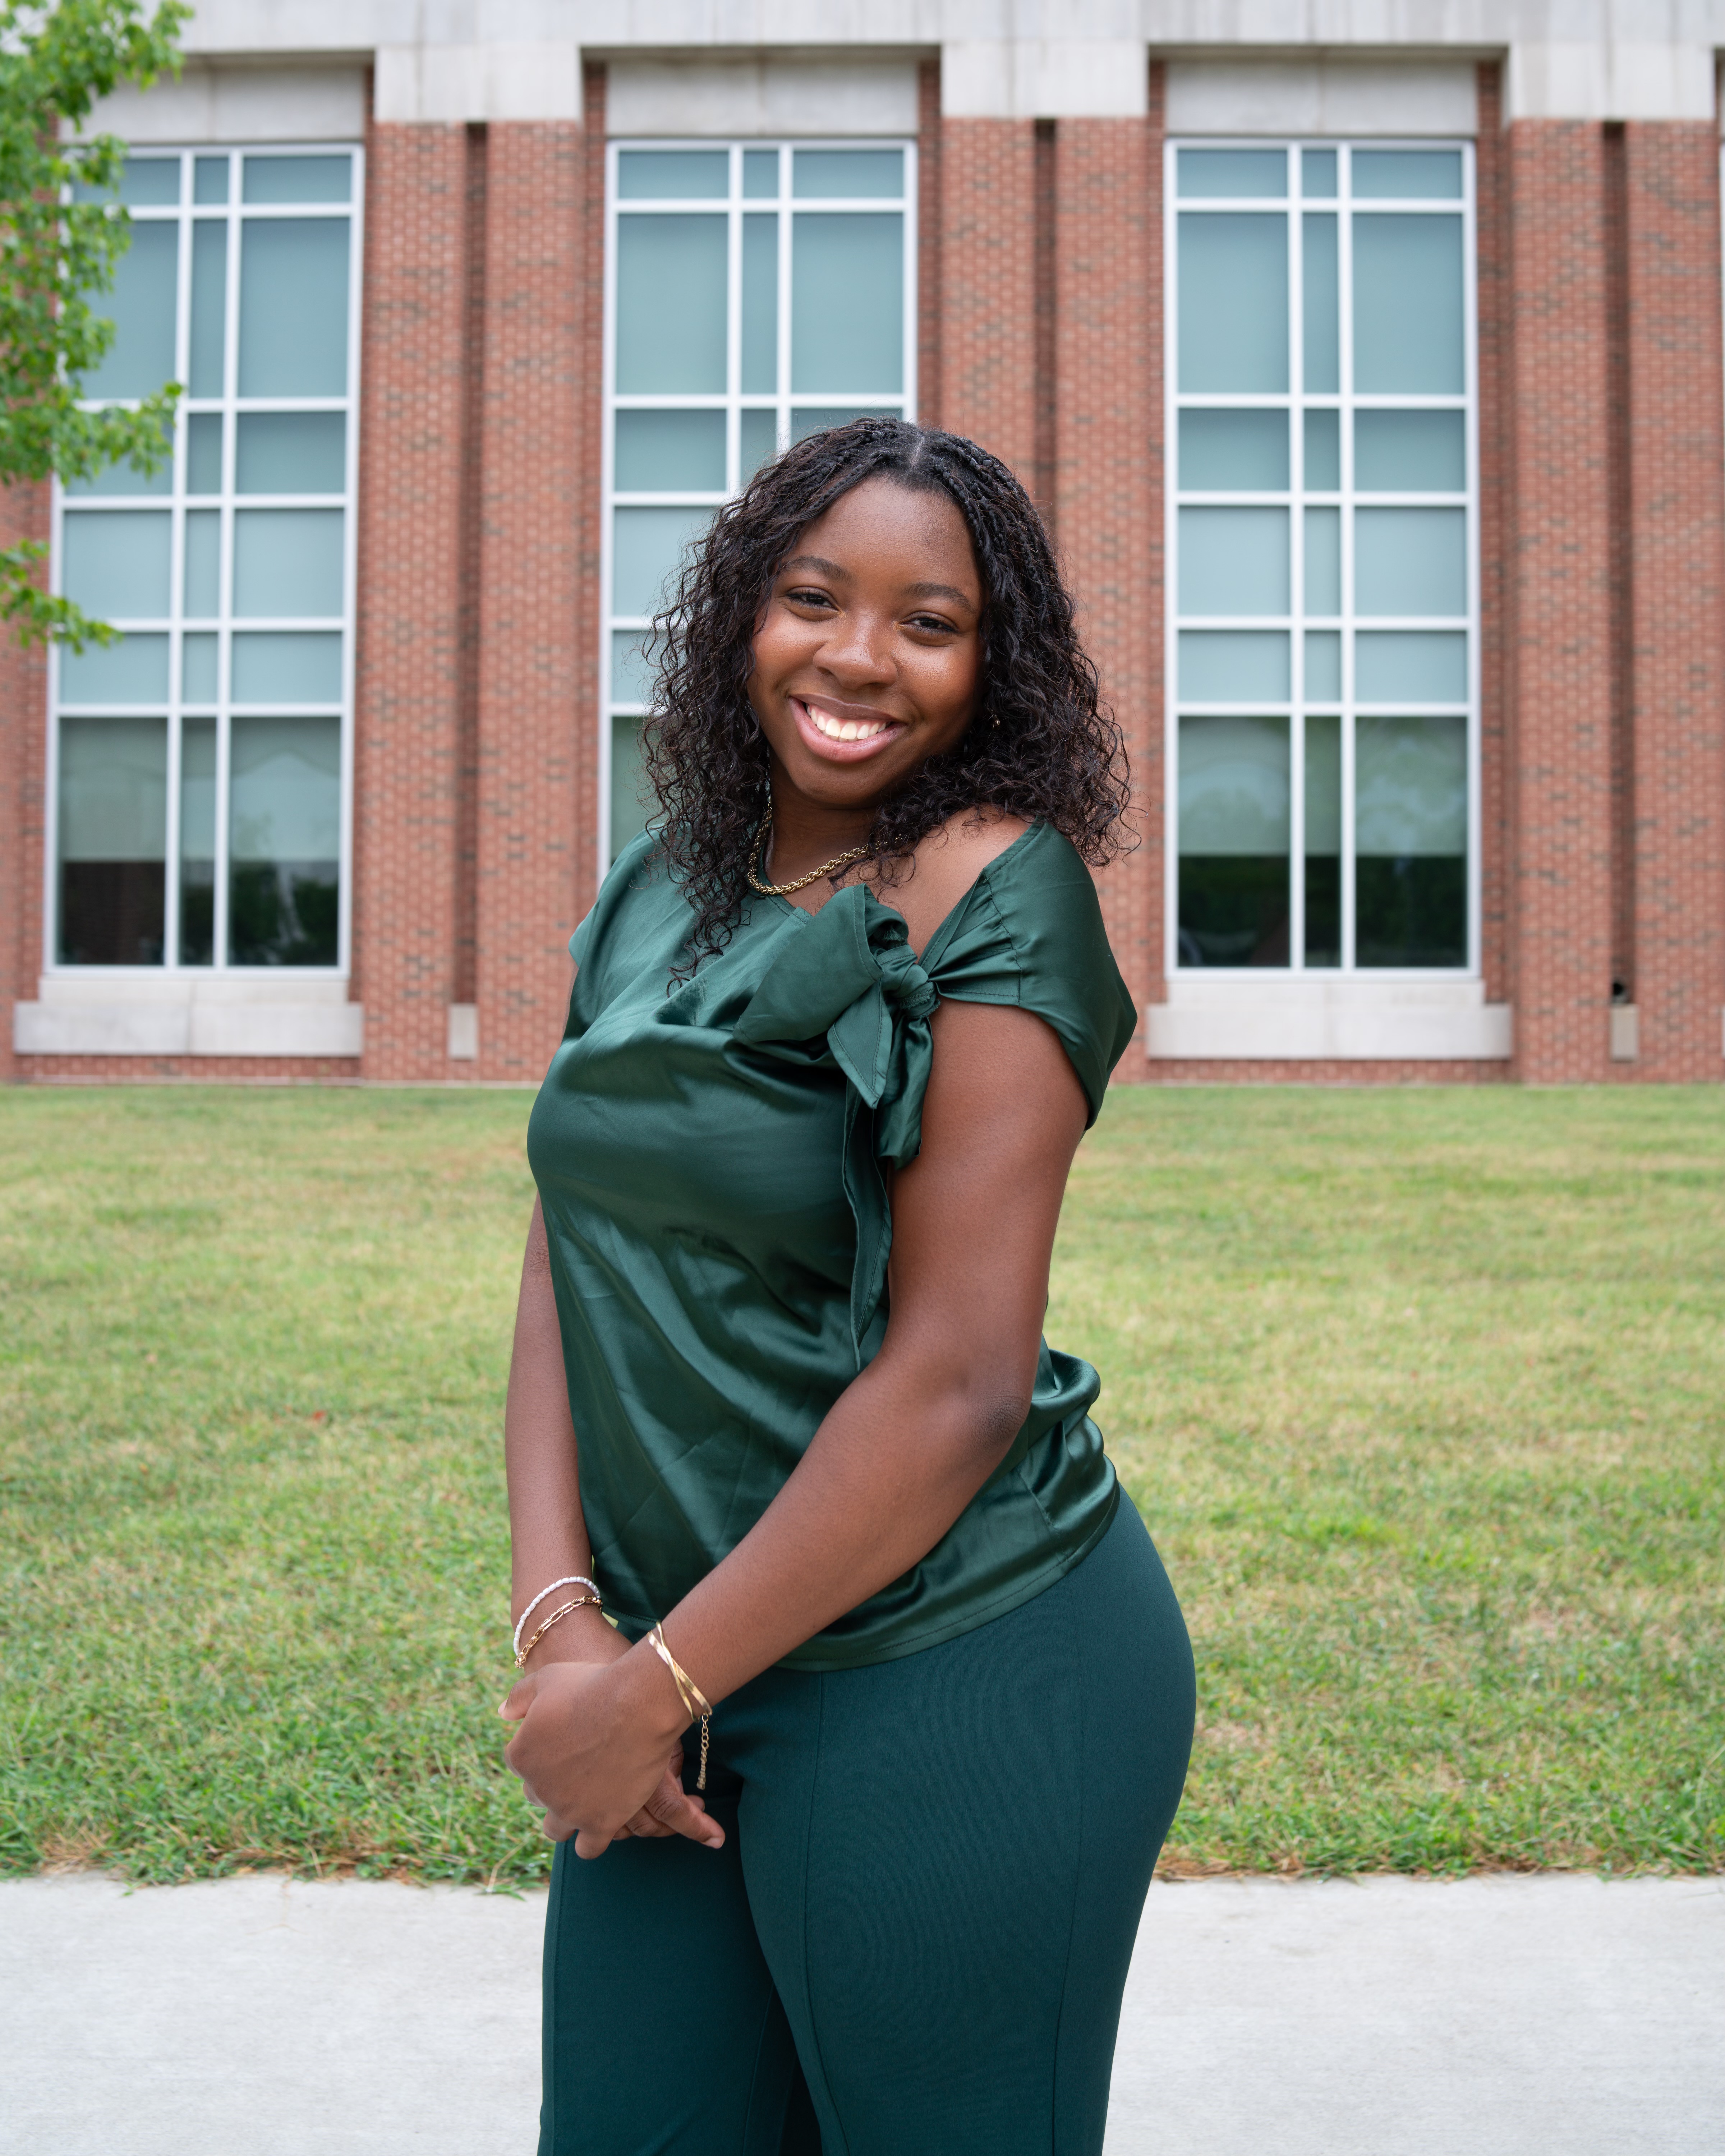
837,738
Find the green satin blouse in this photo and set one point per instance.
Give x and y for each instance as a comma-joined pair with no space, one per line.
712,1160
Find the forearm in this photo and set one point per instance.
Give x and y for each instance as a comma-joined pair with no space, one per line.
891,1468
548,1537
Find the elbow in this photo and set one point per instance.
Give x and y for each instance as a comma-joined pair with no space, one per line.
984,1416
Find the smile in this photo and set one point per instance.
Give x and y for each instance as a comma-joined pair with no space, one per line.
825,730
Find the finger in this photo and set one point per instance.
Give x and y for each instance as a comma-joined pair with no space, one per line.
682,1814
644,1826
587,1843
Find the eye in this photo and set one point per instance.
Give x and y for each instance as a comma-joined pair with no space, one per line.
808,595
932,624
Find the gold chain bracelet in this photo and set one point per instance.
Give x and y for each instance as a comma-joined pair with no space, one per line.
580,1602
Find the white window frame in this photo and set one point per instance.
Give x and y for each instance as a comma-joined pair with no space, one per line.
731,401
1291,206
229,405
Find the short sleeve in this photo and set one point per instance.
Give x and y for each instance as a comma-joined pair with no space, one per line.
1030,933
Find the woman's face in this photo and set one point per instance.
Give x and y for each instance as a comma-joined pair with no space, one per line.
868,655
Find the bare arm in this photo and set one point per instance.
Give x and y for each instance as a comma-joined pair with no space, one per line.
903,1451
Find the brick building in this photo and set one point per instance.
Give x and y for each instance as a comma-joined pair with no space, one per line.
1371,391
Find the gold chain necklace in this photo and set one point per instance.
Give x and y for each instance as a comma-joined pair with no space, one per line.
784,889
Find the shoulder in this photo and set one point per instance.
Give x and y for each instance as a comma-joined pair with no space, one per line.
1030,930
633,900
946,865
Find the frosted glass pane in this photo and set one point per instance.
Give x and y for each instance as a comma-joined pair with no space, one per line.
1323,665
1407,305
1222,666
836,174
141,307
287,798
203,453
1216,172
1323,452
671,304
1233,303
197,668
816,418
1226,452
1321,292
759,443
1410,786
209,306
114,563
1318,173
1234,560
203,588
670,452
132,671
1409,452
293,307
283,667
121,480
287,561
760,306
291,453
648,551
1323,561
1411,561
113,789
848,302
1233,786
209,180
149,183
1323,785
673,175
631,800
312,179
760,174
1407,175
631,669
1410,666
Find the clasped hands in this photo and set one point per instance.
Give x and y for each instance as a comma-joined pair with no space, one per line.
598,1745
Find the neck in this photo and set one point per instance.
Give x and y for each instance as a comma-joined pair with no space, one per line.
806,832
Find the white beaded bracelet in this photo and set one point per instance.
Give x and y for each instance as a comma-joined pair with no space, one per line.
569,1579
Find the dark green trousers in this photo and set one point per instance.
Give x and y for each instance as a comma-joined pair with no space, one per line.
915,1940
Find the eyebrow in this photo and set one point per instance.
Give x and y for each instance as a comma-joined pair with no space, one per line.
822,566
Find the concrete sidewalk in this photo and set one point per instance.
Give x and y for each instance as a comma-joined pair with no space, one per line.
1489,2017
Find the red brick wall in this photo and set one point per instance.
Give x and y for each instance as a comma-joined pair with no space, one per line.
1559,600
23,744
406,711
1676,473
988,297
1108,477
538,725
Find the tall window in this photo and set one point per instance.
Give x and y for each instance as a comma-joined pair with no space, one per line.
1323,660
758,293
199,762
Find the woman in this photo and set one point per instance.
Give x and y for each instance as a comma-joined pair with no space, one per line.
779,1393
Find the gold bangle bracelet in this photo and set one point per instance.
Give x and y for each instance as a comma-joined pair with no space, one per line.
695,1702
580,1602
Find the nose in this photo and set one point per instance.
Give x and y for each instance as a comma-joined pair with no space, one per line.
859,653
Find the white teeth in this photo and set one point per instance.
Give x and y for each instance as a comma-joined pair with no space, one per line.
844,730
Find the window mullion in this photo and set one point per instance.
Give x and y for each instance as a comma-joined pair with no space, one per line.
1344,280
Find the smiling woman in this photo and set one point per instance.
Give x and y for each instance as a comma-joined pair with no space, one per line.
780,1406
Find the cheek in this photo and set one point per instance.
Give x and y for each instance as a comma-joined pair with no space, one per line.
948,683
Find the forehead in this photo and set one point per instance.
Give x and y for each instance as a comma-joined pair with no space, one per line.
881,527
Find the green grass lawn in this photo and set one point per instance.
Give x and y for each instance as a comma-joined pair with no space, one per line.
1420,1392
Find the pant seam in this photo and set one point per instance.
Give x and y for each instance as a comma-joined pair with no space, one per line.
826,2086
1054,2079
748,2115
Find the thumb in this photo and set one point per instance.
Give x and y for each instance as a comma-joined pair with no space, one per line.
521,1695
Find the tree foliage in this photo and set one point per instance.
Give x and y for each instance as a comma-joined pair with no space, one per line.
63,230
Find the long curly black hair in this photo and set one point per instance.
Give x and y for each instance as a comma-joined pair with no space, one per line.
1039,745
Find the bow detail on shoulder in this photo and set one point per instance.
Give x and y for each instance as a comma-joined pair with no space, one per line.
850,974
